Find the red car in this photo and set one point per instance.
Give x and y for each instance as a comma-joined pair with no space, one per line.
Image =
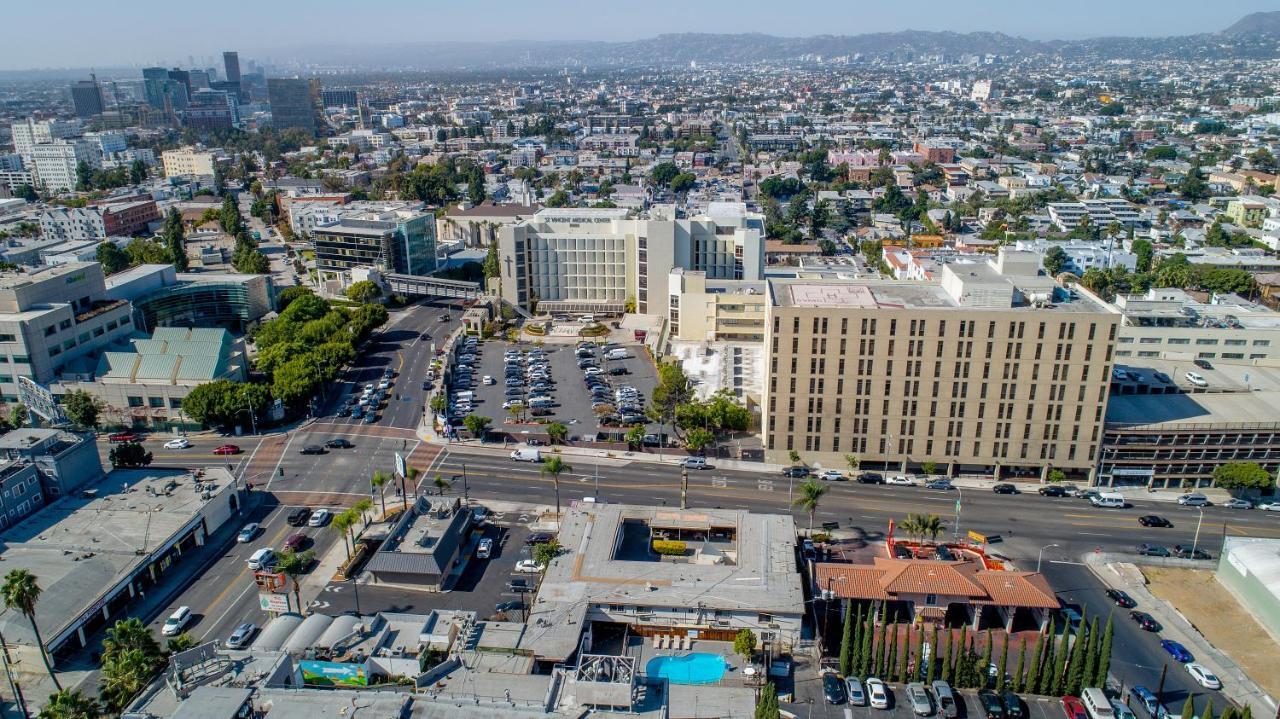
122,437
295,542
227,449
1074,708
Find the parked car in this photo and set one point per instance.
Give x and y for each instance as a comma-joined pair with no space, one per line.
1187,551
939,484
179,443
241,635
1074,708
1237,503
900,480
123,437
870,478
857,694
1145,621
833,688
992,707
319,518
1269,506
877,693
529,566
338,443
1203,676
248,532
519,585
1004,488
298,517
1053,490
832,475
1202,364
1153,550
176,621
919,699
1176,650
508,606
226,449
1154,520
1121,599
1013,706
1195,499
484,549
539,538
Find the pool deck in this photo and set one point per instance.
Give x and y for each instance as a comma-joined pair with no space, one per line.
733,676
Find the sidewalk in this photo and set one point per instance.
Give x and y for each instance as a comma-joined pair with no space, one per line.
1236,685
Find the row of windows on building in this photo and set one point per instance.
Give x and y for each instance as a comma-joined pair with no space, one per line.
907,447
1199,355
1200,342
966,328
154,402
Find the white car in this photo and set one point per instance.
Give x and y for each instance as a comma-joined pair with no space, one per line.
1269,506
318,518
485,549
877,693
176,622
1203,676
901,480
179,443
488,379
833,475
529,566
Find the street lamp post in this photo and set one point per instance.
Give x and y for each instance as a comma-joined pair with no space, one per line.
1195,542
1040,556
959,499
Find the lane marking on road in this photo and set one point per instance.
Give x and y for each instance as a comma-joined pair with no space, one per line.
242,569
1095,534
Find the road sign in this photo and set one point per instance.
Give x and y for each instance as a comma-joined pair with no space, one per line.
977,537
402,467
273,602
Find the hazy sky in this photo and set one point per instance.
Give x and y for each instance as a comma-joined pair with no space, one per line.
82,33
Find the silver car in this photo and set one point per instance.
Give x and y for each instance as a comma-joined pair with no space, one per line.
919,699
857,695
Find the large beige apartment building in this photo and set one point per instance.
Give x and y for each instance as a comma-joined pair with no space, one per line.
187,161
993,369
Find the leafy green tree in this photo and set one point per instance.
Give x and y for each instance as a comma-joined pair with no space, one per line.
634,437
342,524
175,240
1242,475
1075,663
441,484
364,291
544,552
492,269
1054,260
293,565
1032,683
379,480
683,182
1145,252
559,198
71,704
82,408
1189,706
557,432
129,454
476,425
230,219
767,705
21,592
289,294
19,415
1002,664
125,674
662,174
1193,186
1090,654
296,381
744,644
1019,668
181,643
699,439
112,258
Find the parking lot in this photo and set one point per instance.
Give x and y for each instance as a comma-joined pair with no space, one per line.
523,372
482,586
809,696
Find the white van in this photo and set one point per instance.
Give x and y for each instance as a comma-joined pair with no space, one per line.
537,402
1196,379
526,455
587,319
262,559
618,354
1110,500
1097,704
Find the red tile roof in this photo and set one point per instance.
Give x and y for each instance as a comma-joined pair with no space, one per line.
888,578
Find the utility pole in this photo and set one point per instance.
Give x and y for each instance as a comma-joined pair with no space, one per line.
13,685
684,489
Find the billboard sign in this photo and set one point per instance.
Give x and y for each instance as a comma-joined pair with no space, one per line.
272,602
402,467
333,674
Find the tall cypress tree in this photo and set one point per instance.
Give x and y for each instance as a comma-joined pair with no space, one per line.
1091,655
1075,664
855,640
1002,665
904,656
1228,713
919,654
949,659
1188,707
846,639
1019,682
1057,672
868,636
984,666
935,656
1208,708
891,655
877,660
767,705
1033,672
1104,655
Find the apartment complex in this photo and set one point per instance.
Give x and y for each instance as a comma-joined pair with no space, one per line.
1099,213
717,310
392,237
98,222
53,317
993,369
28,133
41,465
595,260
55,163
187,161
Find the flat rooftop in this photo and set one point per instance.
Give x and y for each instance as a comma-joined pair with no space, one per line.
1174,410
82,545
869,294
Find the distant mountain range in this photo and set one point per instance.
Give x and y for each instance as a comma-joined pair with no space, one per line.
1256,36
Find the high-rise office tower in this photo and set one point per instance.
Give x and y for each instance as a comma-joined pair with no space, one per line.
86,96
231,62
293,103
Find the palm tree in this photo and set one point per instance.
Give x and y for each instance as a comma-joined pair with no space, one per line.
21,592
557,432
124,675
932,525
910,525
294,565
377,481
362,508
810,495
128,634
441,483
404,492
515,411
341,523
71,704
554,466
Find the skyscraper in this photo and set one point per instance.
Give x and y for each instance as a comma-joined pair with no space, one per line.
231,62
293,103
86,96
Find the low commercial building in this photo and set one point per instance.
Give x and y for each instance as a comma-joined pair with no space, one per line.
424,547
95,551
98,222
143,381
994,369
723,570
1168,323
390,237
1250,569
164,297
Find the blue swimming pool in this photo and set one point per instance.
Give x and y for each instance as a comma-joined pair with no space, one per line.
696,668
